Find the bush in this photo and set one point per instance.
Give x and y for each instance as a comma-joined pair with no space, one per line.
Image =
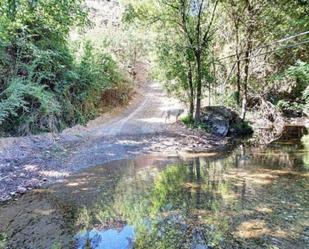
229,99
27,107
190,122
294,100
43,87
82,93
52,94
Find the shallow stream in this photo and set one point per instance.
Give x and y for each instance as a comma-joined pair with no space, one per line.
248,198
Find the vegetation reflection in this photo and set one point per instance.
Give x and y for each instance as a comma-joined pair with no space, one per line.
202,203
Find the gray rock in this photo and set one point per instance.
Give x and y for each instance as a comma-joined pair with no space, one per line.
222,121
219,126
21,190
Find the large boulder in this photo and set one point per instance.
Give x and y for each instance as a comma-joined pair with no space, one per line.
222,121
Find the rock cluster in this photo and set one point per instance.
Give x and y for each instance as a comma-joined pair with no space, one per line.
222,121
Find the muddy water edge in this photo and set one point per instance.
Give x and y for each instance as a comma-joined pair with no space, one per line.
251,198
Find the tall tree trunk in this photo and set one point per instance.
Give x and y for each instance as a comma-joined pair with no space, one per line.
198,57
209,93
198,86
246,77
238,74
191,91
249,32
215,77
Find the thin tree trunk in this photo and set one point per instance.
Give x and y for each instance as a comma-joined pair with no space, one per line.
209,94
250,30
198,87
238,74
246,79
191,90
215,76
198,57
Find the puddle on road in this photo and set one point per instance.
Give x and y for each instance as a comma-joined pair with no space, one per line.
253,198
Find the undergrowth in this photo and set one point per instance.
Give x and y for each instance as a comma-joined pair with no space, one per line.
46,86
191,123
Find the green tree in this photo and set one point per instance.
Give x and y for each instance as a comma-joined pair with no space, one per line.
45,85
191,22
251,28
179,69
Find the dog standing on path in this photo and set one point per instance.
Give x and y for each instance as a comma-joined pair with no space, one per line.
173,112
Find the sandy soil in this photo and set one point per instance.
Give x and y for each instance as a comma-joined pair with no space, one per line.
141,127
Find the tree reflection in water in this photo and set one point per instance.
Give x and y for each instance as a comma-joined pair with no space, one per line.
202,203
252,198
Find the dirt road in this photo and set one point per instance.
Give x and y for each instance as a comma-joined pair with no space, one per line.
140,128
147,117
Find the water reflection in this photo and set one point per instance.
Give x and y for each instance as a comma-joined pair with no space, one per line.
108,239
253,198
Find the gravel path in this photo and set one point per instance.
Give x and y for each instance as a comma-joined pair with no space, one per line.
35,161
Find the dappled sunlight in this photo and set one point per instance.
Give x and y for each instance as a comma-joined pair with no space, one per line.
31,167
188,155
129,142
256,228
111,154
53,173
286,173
44,212
252,229
153,120
261,178
192,186
74,184
264,210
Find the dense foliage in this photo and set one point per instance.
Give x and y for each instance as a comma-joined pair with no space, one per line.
185,33
45,84
234,53
266,39
230,52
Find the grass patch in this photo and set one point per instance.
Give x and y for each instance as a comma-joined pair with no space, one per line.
189,121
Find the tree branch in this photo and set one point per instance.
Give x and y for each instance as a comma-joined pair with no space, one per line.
205,38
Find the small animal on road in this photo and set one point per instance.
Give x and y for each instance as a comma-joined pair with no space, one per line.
173,112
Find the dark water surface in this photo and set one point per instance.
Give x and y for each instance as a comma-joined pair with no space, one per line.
251,198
